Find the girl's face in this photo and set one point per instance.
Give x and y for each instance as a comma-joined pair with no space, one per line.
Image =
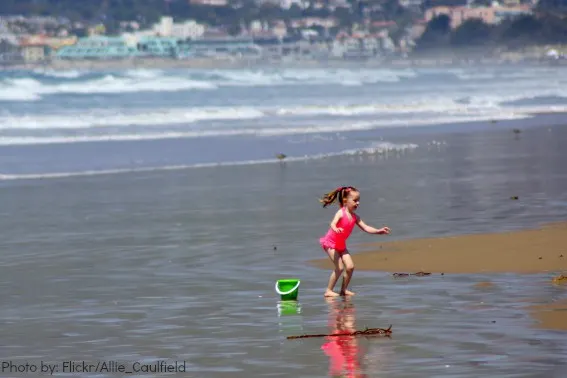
352,201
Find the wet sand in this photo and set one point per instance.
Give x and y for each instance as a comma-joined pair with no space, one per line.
551,316
540,250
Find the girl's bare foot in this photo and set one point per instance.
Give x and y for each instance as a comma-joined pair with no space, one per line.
330,293
348,293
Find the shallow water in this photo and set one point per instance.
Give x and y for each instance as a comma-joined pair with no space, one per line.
181,265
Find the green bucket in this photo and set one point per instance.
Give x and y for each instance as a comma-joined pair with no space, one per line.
288,289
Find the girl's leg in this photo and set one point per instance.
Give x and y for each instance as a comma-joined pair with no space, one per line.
349,269
335,274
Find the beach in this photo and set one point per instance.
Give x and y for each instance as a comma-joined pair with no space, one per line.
540,250
533,57
551,316
147,218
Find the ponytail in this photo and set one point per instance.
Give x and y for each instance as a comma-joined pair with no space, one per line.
336,195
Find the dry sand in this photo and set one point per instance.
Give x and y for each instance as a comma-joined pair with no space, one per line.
538,250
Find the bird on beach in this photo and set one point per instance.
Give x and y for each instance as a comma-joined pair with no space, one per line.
281,156
517,131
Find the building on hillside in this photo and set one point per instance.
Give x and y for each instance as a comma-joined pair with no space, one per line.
37,48
210,3
98,48
34,52
359,46
10,53
488,15
186,30
243,47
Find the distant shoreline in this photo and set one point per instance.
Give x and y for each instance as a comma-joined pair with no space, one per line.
218,63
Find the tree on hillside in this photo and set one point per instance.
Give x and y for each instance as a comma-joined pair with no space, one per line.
473,32
552,5
436,34
523,31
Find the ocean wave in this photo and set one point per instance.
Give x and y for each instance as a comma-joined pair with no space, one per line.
32,87
42,82
467,108
259,131
97,118
68,74
439,105
16,94
484,74
344,77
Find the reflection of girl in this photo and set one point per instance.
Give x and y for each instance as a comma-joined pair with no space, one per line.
343,351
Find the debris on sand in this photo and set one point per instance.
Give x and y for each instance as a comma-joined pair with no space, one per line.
562,278
419,274
367,332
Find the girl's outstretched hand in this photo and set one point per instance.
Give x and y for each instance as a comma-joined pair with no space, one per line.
384,231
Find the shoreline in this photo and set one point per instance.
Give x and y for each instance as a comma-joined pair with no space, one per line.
224,63
544,120
551,316
526,251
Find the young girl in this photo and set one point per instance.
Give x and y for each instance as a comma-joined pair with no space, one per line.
334,242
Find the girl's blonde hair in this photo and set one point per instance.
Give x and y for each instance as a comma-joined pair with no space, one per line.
339,195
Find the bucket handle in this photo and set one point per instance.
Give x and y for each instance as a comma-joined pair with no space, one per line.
288,292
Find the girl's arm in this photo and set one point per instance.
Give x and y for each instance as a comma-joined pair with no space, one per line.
371,230
335,220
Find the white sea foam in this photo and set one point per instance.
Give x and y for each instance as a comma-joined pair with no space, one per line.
69,74
13,93
345,77
96,118
376,148
103,118
144,73
473,101
441,105
497,83
381,148
259,132
485,75
151,80
29,89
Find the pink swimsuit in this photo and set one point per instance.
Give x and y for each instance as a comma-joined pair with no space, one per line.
335,240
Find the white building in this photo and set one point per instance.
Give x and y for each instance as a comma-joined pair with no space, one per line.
286,4
188,29
167,28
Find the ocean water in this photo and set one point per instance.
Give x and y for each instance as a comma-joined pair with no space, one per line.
145,218
245,115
